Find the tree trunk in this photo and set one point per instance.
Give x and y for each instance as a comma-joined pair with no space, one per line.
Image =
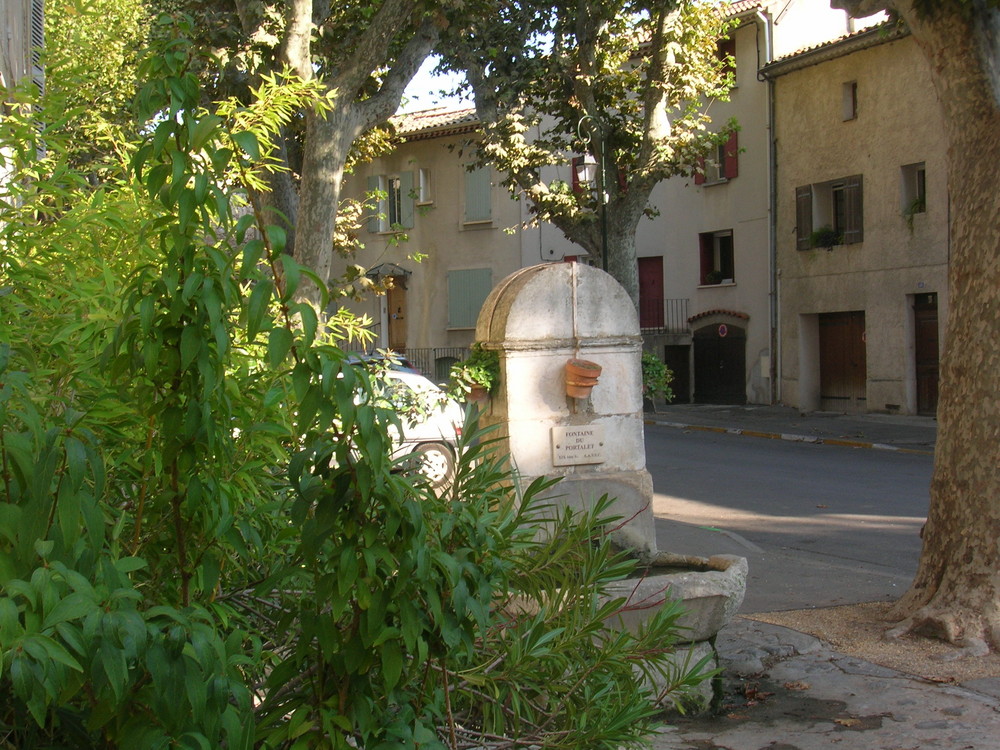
956,592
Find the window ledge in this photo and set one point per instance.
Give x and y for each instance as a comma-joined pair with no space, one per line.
726,282
720,181
482,224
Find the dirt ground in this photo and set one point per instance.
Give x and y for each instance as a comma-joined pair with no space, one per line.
857,630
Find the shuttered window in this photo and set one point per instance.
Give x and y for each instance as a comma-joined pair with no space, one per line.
37,43
723,165
853,226
834,208
803,217
478,195
467,290
390,203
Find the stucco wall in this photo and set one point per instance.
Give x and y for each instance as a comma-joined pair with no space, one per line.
440,235
897,124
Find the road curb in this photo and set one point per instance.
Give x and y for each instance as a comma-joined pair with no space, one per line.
841,442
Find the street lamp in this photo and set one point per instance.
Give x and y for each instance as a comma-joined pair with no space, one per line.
591,132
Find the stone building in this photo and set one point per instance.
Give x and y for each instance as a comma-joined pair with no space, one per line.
713,293
862,217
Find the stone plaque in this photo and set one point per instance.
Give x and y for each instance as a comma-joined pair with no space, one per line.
578,445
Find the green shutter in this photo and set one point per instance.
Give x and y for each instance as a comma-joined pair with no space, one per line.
372,205
406,199
467,290
478,206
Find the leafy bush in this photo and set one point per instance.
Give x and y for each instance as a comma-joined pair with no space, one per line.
656,378
481,368
204,541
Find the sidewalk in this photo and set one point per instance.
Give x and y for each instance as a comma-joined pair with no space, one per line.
789,691
877,431
786,690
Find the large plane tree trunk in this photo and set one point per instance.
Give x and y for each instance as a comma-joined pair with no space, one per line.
956,592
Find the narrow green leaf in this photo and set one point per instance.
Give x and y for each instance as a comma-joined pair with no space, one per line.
392,663
191,343
257,306
278,345
248,142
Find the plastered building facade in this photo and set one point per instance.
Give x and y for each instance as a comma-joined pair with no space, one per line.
862,217
739,307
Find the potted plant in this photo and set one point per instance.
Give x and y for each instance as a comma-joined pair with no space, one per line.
825,237
477,376
656,380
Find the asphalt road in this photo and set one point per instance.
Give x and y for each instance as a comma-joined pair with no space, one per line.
820,525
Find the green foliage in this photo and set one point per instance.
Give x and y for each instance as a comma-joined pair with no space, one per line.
90,57
628,83
656,378
204,540
825,237
481,368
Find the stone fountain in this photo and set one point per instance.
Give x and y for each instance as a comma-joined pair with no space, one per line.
538,319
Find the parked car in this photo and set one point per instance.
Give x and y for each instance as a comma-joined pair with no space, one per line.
431,424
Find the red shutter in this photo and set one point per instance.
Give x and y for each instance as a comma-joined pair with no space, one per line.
803,216
854,216
699,171
706,249
732,153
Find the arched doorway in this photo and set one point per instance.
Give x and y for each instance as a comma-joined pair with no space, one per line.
720,364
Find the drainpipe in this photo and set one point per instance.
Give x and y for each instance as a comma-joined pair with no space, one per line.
775,358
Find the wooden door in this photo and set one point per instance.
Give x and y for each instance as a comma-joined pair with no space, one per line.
651,292
720,365
925,352
396,310
843,364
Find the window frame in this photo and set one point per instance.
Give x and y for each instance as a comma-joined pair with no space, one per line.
717,256
478,178
817,205
849,101
724,167
913,188
393,209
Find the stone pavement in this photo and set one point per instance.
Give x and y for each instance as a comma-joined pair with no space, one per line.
785,690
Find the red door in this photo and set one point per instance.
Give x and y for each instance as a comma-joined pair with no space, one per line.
651,292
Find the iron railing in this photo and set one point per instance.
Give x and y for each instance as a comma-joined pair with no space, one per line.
663,316
435,362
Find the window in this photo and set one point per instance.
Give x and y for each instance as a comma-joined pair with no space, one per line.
829,213
37,43
849,100
717,262
391,202
424,194
725,51
723,165
467,290
478,196
913,189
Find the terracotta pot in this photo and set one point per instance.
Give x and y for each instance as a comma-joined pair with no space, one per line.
477,393
581,377
583,369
